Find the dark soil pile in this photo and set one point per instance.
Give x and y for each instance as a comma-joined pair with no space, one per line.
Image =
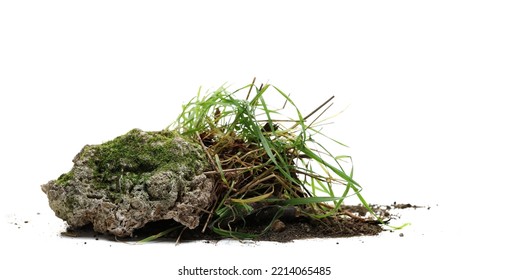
355,222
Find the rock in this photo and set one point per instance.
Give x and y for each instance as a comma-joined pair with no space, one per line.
139,177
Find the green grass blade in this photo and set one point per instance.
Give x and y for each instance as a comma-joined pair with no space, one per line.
161,234
309,200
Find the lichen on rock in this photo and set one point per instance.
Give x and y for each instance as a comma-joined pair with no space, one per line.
139,177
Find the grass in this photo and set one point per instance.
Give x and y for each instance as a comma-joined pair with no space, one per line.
266,165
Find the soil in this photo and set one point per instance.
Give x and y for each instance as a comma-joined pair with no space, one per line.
357,221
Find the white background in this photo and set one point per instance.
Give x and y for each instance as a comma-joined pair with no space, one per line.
424,83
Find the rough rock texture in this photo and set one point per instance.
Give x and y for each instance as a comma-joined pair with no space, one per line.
136,178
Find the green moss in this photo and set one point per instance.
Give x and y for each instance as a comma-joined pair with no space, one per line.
129,159
65,178
128,153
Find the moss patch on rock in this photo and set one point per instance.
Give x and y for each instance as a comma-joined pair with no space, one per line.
137,178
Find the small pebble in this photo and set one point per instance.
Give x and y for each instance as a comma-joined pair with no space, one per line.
401,234
278,226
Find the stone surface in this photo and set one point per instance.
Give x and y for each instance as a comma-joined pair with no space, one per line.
137,178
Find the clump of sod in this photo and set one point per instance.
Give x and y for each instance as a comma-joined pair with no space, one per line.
267,167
